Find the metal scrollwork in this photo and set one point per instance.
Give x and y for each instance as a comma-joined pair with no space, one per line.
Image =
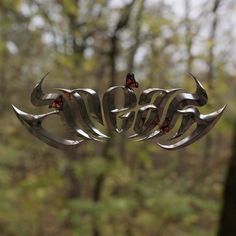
154,115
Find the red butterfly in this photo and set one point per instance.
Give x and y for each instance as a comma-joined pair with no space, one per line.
130,81
57,103
165,128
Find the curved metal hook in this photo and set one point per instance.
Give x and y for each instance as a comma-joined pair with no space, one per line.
38,98
33,123
204,124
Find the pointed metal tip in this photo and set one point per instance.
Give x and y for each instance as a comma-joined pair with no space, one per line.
221,111
43,78
22,116
46,74
193,77
13,106
217,114
223,108
15,109
190,74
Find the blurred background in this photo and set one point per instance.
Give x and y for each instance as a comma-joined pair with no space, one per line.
122,188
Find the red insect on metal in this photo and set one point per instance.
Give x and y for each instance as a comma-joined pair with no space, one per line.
130,81
57,103
165,126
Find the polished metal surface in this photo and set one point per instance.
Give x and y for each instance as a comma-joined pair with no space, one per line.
170,117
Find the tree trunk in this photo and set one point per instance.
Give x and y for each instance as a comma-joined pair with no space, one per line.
227,226
114,39
210,75
134,48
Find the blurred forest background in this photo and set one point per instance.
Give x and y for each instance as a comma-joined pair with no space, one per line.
123,188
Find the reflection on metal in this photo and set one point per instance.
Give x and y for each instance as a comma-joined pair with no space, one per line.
154,115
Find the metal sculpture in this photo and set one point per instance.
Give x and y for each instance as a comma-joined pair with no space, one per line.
154,115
